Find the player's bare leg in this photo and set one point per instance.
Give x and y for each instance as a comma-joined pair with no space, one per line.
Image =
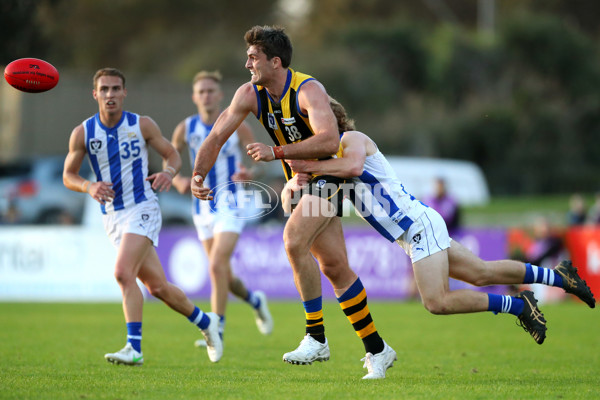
132,251
431,275
467,267
302,228
330,250
221,250
153,277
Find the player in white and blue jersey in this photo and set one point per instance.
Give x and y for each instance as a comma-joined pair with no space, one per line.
116,142
381,199
219,221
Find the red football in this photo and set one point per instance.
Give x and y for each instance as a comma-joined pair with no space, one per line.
31,75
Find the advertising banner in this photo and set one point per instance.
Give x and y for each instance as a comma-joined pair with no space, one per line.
261,262
584,246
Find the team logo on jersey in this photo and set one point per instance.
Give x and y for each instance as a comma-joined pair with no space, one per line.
288,121
272,121
95,146
195,141
417,238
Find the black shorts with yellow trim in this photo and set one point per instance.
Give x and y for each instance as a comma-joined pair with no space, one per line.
326,187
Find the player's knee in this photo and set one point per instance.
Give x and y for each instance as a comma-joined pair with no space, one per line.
158,290
293,245
217,269
483,276
124,277
435,306
329,270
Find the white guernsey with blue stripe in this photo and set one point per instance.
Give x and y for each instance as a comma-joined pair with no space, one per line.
218,178
119,156
380,198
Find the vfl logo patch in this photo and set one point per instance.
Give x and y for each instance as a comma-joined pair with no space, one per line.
145,217
272,121
320,183
417,238
398,217
95,146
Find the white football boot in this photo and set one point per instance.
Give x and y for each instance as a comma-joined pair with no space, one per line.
264,321
308,351
127,356
378,363
214,344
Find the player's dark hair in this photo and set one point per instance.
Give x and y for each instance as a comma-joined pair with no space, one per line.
108,72
344,122
272,40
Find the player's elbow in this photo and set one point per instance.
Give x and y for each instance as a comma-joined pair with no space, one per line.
331,147
355,170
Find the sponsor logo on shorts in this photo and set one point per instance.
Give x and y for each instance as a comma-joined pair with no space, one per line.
417,238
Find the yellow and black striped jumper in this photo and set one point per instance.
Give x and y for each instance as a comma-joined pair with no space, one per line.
286,124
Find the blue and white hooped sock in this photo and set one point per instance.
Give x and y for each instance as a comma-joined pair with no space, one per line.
252,299
134,335
221,326
199,318
545,276
505,304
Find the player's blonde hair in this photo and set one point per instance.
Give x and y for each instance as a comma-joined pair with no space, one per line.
108,72
214,75
344,122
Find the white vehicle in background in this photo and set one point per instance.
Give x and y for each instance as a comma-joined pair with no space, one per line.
464,179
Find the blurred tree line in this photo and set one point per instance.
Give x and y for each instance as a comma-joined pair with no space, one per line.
519,95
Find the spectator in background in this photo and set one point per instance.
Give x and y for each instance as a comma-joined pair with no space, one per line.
546,251
442,202
547,247
593,215
577,212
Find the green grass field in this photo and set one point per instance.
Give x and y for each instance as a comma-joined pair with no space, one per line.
55,351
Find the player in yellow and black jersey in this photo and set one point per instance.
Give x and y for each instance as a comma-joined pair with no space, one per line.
294,109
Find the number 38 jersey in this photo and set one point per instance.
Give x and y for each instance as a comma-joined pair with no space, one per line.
119,155
284,121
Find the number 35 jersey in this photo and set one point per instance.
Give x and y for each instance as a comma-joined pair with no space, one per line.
283,120
119,155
